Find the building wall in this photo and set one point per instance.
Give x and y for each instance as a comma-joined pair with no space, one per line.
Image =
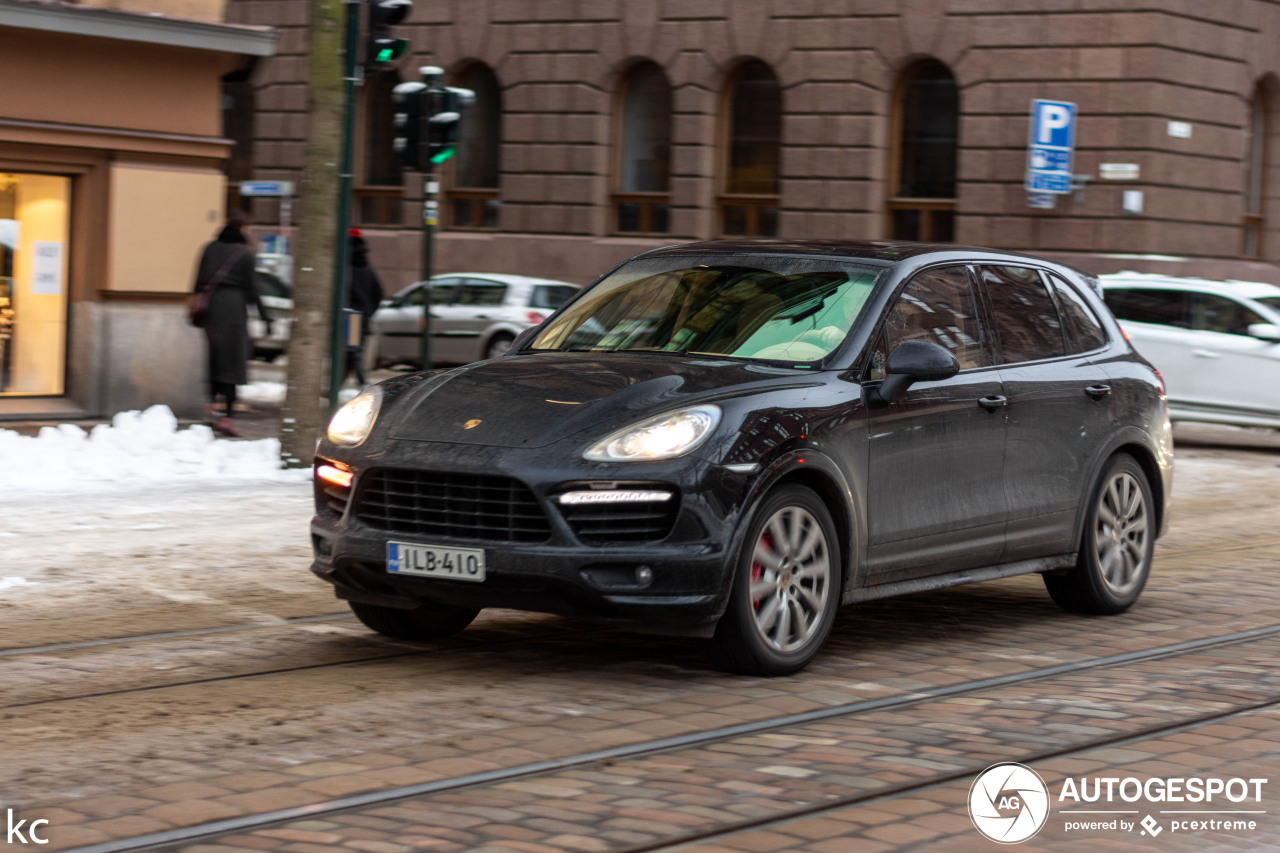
559,62
133,128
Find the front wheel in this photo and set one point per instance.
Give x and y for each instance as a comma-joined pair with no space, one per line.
1117,545
785,591
426,622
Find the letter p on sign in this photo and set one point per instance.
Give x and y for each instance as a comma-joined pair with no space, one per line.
1053,124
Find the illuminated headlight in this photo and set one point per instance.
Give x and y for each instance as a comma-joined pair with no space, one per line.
664,437
351,424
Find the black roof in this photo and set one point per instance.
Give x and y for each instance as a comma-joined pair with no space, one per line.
875,251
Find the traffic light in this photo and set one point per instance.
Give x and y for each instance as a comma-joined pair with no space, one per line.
447,104
410,100
380,46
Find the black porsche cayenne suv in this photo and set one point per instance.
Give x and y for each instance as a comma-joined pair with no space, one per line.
731,439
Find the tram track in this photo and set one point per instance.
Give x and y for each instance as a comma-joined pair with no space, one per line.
175,838
59,648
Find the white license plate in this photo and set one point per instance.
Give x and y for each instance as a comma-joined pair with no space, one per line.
460,564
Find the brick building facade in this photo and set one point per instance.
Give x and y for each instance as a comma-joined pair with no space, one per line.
604,127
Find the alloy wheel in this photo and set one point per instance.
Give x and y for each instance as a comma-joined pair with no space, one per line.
790,579
1121,532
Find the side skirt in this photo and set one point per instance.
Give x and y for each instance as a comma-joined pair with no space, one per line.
987,573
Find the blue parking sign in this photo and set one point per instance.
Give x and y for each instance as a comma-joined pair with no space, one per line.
1051,146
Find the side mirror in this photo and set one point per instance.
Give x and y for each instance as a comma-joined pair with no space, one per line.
524,338
1265,332
911,362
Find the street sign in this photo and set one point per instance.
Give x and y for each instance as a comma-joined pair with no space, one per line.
266,188
1051,146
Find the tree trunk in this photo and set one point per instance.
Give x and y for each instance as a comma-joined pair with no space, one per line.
305,411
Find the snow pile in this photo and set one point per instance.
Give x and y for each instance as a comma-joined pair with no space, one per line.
136,448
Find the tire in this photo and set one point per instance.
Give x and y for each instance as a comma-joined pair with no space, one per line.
1116,546
498,346
427,622
784,599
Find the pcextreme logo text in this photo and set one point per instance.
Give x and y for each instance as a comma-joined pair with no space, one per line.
1009,803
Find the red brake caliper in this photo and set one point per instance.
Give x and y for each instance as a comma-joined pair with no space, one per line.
757,570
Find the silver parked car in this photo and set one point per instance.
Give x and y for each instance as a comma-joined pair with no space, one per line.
474,316
1217,343
277,299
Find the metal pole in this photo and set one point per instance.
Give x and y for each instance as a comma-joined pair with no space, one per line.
429,214
431,75
337,340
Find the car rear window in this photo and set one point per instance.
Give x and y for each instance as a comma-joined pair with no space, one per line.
1026,320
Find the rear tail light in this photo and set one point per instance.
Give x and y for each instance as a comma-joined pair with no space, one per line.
1160,389
534,317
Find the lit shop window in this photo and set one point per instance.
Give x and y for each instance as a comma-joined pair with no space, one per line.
33,283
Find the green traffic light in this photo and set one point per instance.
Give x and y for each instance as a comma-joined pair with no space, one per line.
444,154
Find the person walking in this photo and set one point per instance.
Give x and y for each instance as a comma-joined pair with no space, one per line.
226,272
365,295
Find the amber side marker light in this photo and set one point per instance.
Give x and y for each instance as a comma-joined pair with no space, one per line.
334,476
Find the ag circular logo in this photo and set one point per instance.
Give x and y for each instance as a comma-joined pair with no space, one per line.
1008,803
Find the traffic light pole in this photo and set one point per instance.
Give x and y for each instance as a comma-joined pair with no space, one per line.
430,214
337,340
430,211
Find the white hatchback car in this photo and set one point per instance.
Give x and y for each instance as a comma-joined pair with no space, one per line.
474,316
1217,343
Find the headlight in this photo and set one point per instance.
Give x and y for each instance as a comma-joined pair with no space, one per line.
664,437
350,425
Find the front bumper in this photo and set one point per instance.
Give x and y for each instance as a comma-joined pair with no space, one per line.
689,568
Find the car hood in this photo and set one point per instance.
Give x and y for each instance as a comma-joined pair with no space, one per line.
535,400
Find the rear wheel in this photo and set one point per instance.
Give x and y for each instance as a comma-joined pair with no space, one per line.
785,591
1117,545
426,622
498,346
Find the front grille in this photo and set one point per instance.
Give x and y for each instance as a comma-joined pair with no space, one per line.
460,506
599,524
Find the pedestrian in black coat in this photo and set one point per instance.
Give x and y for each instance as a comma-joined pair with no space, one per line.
226,269
364,295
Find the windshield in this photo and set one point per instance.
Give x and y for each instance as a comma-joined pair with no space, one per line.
743,306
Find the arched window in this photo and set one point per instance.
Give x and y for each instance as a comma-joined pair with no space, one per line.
926,120
1253,223
753,150
379,198
643,201
474,198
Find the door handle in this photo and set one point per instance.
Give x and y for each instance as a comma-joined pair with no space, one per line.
1097,392
994,402
1206,353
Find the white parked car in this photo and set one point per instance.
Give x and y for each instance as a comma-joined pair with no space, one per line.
474,316
277,298
1217,343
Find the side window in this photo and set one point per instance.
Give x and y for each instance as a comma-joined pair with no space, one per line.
1142,305
1080,325
1212,313
551,295
1025,318
476,292
938,305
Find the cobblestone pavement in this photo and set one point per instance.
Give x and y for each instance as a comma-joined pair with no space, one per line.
120,740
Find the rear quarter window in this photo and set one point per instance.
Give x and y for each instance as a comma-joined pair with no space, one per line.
1081,330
